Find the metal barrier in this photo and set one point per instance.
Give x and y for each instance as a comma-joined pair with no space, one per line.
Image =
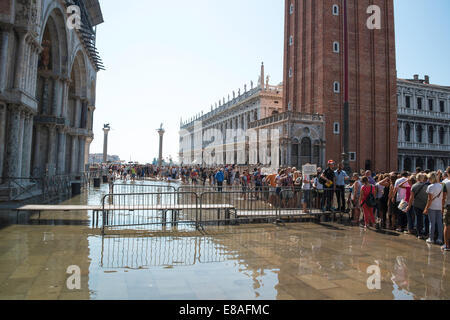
138,252
232,207
215,188
122,211
123,188
47,188
313,202
56,186
175,208
297,203
15,189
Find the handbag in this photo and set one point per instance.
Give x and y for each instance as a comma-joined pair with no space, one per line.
370,200
403,205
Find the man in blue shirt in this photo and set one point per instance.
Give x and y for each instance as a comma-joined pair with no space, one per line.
219,178
341,176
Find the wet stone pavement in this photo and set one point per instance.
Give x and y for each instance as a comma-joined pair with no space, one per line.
263,261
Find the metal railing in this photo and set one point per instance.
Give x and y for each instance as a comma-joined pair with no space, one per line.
46,188
15,189
200,207
149,211
211,188
123,188
230,207
138,252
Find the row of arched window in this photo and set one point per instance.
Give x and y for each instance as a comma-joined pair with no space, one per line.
419,134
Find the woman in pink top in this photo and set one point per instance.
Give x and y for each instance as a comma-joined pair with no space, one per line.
366,189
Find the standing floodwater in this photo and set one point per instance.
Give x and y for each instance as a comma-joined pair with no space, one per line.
262,261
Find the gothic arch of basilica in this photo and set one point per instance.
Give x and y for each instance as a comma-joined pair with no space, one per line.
48,77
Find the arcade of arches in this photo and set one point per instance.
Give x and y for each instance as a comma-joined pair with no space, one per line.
48,128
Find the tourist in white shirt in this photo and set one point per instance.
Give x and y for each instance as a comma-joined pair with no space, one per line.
436,196
306,193
400,187
318,187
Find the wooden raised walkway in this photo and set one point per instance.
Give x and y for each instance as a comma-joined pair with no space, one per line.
97,208
66,208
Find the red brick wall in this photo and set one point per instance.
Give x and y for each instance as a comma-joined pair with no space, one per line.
372,76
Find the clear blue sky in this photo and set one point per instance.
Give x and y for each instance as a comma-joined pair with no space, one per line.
171,59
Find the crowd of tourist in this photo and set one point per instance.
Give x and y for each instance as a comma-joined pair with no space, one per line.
414,203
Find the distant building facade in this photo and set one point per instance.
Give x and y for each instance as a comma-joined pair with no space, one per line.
238,112
48,75
98,158
423,124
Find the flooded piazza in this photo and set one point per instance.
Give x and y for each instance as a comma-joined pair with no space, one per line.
291,261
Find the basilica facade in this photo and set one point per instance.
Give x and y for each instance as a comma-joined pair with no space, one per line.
48,72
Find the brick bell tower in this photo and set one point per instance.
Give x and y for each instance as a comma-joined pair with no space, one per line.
342,53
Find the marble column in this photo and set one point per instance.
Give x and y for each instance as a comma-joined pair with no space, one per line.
401,134
18,75
61,167
26,66
425,134
82,150
86,153
447,136
77,112
34,65
27,140
65,97
84,114
37,170
3,112
401,162
56,101
91,120
46,104
12,147
414,134
3,60
20,143
436,135
51,158
74,160
413,163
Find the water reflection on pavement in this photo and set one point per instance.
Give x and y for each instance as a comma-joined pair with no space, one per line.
263,261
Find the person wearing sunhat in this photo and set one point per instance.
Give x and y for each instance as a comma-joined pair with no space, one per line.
329,185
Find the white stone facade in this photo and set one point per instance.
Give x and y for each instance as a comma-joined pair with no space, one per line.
423,125
48,78
261,132
236,114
